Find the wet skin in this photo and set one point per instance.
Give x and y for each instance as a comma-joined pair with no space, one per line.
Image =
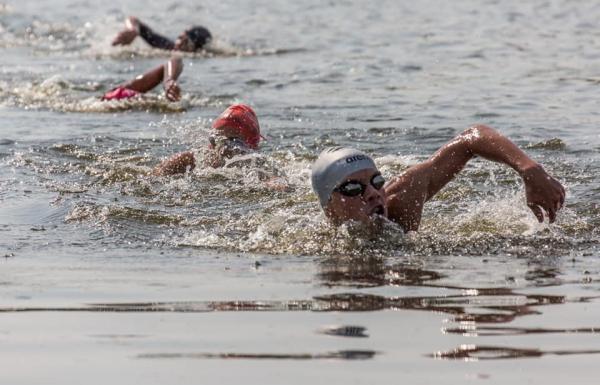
406,194
361,208
183,43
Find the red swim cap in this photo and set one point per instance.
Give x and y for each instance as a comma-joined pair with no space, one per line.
239,121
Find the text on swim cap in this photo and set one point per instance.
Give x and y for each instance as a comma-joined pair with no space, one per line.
355,158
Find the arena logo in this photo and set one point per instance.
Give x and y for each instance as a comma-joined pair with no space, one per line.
355,158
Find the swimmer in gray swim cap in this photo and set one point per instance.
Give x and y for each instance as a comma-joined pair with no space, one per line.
350,187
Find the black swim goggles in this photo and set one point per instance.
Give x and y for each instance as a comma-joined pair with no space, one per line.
353,188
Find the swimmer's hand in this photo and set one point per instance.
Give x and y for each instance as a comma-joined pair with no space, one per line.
543,192
172,90
131,31
177,164
125,37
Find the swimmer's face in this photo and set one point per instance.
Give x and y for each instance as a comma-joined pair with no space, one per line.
228,147
361,197
184,43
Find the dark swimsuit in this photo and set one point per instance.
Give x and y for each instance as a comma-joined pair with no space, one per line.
154,39
199,35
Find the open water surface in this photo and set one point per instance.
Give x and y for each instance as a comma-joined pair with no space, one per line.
109,274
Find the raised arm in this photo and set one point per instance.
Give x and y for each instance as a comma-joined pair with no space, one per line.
127,35
134,27
166,73
172,70
422,181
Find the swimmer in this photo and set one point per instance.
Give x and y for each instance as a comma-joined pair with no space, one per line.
235,132
166,73
350,187
190,40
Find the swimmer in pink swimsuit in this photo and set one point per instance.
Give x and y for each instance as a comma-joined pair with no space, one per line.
165,73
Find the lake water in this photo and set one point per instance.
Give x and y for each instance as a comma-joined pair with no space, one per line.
108,274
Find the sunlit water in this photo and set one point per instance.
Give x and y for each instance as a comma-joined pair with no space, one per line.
110,273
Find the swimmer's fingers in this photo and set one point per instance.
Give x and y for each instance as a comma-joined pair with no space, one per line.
537,211
551,214
562,196
173,92
560,202
557,203
172,89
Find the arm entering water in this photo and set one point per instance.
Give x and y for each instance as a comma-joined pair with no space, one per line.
134,27
408,192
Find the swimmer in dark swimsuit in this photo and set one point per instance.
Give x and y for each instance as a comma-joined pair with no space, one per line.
166,74
235,132
190,40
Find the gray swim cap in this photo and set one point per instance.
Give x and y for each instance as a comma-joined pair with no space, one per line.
333,166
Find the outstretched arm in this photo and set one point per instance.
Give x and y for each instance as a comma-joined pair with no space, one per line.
127,35
177,164
172,71
410,191
134,27
154,39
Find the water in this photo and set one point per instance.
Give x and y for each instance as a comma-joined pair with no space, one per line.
108,273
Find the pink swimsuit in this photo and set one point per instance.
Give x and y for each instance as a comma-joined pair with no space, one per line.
119,93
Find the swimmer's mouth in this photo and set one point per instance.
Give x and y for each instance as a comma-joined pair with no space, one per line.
378,210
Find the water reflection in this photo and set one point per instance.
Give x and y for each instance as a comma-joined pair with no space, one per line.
476,353
338,355
474,311
485,331
372,272
345,331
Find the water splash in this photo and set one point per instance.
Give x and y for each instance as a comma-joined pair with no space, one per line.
58,94
235,208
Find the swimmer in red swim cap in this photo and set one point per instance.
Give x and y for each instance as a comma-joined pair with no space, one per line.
235,132
167,74
190,40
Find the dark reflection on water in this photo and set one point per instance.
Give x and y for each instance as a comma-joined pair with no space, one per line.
345,331
482,331
503,305
372,272
474,309
338,355
476,353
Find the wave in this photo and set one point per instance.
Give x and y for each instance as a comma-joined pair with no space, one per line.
58,94
88,40
239,208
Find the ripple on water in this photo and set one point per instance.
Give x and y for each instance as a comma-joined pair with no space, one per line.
233,208
57,94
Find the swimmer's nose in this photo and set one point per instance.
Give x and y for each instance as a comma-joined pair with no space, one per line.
371,193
